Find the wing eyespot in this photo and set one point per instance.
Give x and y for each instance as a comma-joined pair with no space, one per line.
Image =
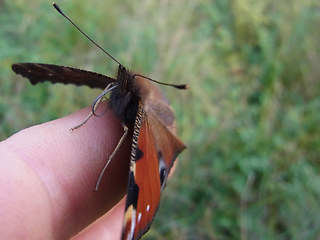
163,173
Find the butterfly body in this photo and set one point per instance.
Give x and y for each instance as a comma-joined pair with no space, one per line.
138,103
124,99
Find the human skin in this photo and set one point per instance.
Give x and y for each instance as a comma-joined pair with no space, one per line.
48,176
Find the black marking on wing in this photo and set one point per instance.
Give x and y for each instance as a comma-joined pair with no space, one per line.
139,154
133,189
37,72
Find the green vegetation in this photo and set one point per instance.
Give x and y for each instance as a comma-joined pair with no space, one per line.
250,118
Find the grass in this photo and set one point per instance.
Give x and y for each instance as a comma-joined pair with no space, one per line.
250,119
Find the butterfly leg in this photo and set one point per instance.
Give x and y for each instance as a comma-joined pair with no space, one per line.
89,115
95,105
125,132
83,123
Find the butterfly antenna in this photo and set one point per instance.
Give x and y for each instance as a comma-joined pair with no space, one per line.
65,16
182,86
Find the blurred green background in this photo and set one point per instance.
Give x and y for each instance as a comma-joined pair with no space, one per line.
250,118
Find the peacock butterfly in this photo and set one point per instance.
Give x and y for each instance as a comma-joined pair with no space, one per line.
138,103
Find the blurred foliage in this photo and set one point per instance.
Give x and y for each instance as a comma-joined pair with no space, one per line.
251,118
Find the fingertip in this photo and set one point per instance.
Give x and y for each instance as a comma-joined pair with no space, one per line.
68,165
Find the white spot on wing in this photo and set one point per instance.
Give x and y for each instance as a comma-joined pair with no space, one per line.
148,208
139,216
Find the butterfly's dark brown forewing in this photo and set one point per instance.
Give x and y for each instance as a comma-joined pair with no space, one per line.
38,72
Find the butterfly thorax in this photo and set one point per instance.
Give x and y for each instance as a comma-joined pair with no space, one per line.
124,99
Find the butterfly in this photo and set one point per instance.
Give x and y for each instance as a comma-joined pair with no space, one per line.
138,103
